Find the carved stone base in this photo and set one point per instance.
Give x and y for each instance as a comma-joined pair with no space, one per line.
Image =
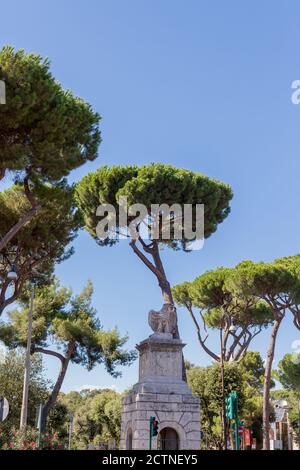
162,393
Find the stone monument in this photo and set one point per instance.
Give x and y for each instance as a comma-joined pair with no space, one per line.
161,392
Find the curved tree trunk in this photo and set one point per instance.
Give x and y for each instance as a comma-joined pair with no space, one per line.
267,382
167,294
65,360
158,270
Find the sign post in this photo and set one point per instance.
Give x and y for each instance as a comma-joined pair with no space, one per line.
39,422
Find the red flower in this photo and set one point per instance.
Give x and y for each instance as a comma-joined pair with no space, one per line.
11,444
33,444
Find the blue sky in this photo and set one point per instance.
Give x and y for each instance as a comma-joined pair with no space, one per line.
204,85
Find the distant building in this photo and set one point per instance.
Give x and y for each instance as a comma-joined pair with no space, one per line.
281,432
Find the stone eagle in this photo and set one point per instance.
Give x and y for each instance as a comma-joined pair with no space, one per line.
163,321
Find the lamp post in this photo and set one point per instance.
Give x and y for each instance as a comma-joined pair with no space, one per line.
232,330
24,409
71,421
224,427
12,274
2,92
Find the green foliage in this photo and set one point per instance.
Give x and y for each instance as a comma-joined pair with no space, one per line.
97,416
57,420
42,242
49,302
262,279
11,386
238,319
44,130
288,372
246,378
62,319
106,412
152,184
212,294
252,368
55,227
72,400
208,290
205,382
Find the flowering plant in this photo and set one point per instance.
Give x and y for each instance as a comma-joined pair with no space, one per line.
29,440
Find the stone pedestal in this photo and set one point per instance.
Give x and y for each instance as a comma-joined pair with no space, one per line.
162,393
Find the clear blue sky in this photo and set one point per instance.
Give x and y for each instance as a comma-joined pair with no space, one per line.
204,85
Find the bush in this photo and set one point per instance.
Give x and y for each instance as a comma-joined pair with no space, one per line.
28,439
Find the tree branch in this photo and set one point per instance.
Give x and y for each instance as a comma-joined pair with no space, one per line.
50,353
206,349
145,260
24,220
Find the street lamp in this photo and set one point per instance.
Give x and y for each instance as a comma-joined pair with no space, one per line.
2,92
24,407
232,328
12,275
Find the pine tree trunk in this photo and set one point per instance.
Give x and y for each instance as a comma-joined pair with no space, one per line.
56,389
167,294
158,270
35,207
15,229
267,382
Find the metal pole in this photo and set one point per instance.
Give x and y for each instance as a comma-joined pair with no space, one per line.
224,434
1,408
299,421
39,423
2,92
150,433
70,430
236,424
24,409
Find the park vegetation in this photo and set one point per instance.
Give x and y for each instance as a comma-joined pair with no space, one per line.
45,133
66,327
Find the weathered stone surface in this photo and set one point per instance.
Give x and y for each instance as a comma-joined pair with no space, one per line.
146,397
194,445
190,426
194,400
162,393
193,435
186,417
160,357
